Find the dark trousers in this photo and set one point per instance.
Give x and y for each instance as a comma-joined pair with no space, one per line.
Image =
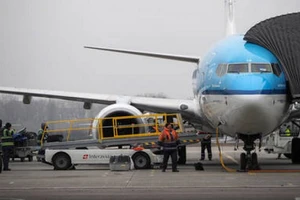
7,151
173,154
206,145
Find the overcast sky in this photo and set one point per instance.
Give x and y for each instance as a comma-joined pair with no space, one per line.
41,41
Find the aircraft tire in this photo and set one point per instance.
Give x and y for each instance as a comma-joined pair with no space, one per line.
61,161
243,161
295,150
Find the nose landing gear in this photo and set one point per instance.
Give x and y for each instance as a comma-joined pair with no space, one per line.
248,160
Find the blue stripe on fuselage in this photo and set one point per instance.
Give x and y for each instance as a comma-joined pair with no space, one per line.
243,92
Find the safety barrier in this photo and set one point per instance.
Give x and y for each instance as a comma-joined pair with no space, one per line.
112,127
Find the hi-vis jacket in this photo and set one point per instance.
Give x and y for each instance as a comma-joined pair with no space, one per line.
169,140
7,138
287,132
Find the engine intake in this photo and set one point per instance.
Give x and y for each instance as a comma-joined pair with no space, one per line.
119,110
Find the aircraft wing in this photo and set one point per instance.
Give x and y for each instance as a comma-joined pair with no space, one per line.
73,96
185,107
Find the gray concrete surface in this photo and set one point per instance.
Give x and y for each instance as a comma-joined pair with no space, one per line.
278,179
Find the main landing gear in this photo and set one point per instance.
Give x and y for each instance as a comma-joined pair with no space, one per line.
248,160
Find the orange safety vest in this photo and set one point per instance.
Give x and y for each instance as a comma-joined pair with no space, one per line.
169,142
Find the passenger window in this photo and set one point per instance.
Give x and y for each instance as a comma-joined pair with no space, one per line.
276,69
238,68
261,68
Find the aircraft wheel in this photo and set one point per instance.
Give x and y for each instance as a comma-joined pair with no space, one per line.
61,161
141,160
296,150
243,161
22,159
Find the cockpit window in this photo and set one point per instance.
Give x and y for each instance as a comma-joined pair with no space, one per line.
221,69
248,67
276,69
238,68
261,68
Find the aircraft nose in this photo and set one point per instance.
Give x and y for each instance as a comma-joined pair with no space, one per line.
252,114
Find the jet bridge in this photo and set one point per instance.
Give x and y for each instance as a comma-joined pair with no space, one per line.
281,36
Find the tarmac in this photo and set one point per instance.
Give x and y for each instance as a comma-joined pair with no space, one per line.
277,179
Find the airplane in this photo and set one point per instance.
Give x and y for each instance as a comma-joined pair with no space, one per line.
240,88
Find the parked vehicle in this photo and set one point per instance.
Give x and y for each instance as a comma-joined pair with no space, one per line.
63,159
279,142
25,145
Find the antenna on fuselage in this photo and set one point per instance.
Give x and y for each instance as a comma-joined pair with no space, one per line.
230,23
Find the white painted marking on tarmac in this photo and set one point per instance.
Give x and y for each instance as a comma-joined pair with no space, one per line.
297,198
152,172
105,174
10,183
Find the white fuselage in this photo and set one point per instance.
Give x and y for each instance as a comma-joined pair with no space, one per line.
246,114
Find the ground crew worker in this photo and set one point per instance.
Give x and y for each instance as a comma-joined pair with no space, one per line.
287,133
205,144
1,129
41,132
168,139
153,128
7,145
